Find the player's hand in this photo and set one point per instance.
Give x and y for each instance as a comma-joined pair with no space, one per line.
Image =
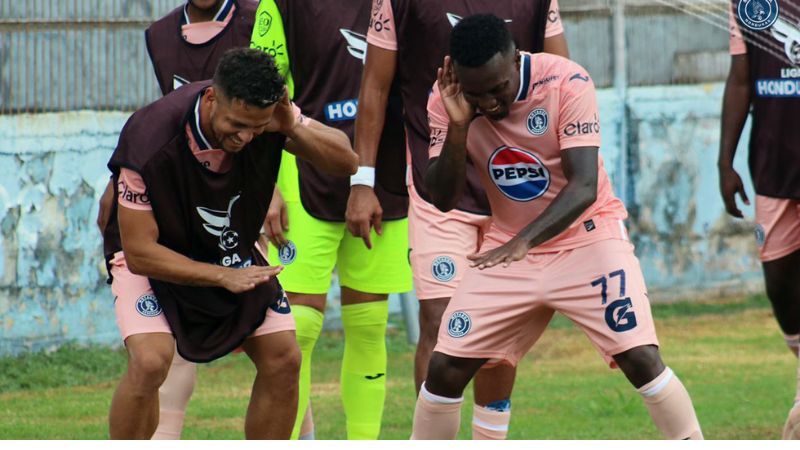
513,250
363,212
283,119
246,279
277,222
458,109
730,183
106,203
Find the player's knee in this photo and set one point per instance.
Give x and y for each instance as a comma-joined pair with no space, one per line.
448,375
148,370
640,364
284,364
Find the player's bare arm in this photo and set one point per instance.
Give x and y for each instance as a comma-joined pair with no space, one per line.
447,175
363,208
277,221
556,45
735,106
327,148
580,168
145,256
106,204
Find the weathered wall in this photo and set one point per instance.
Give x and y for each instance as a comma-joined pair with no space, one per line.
52,171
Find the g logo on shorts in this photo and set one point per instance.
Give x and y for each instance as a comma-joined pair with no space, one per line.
761,235
443,268
459,324
148,306
287,253
758,14
619,317
537,122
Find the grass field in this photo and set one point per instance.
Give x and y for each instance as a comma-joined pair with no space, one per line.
729,354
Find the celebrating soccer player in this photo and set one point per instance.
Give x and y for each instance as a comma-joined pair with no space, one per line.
765,76
195,171
407,41
320,46
557,241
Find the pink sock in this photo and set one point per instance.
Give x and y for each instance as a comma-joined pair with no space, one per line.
173,396
671,407
436,417
489,424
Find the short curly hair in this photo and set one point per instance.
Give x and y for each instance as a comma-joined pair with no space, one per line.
476,39
249,75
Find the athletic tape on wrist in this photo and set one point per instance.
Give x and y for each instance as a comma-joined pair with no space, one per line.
365,176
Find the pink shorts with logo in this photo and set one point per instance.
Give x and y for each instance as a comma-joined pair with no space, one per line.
500,312
777,227
439,243
138,311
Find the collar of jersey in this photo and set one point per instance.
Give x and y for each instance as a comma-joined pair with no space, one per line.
194,123
524,77
220,16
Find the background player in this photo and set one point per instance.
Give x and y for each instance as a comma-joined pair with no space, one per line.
319,45
181,49
407,41
557,240
760,60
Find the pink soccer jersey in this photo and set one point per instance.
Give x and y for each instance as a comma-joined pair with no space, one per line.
519,157
737,44
202,32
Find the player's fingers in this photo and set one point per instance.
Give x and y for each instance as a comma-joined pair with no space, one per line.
285,219
743,194
363,232
270,233
377,222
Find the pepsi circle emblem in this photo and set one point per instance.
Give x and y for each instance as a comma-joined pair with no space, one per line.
443,268
518,174
459,324
287,253
148,306
758,14
537,122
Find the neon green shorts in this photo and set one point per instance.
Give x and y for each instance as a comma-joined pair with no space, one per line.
317,246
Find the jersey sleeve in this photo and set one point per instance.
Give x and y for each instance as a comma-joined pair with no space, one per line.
737,44
132,191
554,25
272,39
578,118
382,30
438,121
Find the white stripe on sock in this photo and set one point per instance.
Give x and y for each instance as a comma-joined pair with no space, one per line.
433,398
661,385
488,426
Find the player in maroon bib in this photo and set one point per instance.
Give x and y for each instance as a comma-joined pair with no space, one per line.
190,234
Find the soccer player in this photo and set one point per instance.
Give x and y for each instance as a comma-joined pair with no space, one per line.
194,173
407,41
185,46
320,46
556,242
765,76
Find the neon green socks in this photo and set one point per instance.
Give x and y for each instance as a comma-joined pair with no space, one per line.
309,325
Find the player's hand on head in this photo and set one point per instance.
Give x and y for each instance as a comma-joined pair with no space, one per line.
513,250
283,119
458,109
277,221
247,278
363,212
730,183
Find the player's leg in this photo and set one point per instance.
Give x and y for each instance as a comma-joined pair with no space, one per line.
150,345
309,259
173,397
273,349
439,244
367,277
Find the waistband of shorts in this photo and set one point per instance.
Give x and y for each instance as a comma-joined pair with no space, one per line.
580,234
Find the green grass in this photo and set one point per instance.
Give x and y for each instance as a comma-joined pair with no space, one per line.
729,354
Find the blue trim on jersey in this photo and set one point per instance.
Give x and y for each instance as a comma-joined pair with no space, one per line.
194,123
524,77
220,16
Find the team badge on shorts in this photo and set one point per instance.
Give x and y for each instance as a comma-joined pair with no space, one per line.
459,324
282,305
443,268
287,253
758,15
518,174
148,306
761,235
537,122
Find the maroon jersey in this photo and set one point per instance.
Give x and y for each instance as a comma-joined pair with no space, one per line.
211,217
771,30
326,44
178,62
422,29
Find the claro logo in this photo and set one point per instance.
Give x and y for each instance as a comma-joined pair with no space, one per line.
580,127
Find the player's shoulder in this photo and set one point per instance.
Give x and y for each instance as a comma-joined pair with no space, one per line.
167,21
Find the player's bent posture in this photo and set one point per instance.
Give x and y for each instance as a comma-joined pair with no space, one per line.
407,41
195,172
557,241
765,75
320,46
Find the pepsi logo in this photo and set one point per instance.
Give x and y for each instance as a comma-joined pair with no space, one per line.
518,174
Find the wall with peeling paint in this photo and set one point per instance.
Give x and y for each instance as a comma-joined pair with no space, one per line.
52,171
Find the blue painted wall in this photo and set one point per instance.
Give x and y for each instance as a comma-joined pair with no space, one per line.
52,171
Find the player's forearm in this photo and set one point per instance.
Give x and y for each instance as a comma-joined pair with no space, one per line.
565,209
373,97
327,148
735,106
153,260
447,175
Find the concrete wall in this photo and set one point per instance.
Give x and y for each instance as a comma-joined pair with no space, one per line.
52,171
